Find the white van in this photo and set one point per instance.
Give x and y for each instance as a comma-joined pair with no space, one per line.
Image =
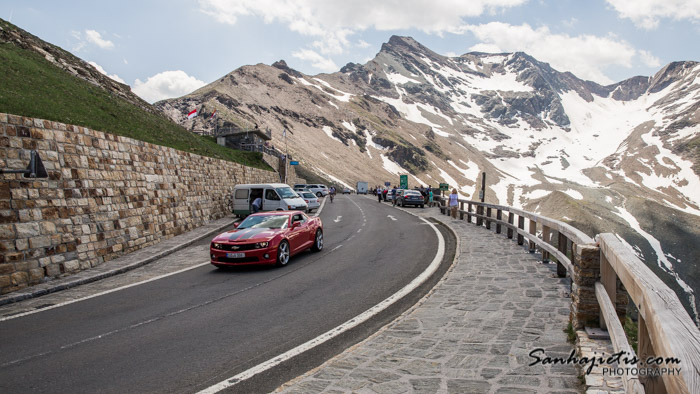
275,197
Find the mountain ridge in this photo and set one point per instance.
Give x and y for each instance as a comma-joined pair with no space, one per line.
542,136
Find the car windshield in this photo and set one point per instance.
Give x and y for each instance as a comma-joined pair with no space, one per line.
286,192
309,195
264,221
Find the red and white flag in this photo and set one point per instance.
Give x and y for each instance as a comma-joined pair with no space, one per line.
212,115
192,114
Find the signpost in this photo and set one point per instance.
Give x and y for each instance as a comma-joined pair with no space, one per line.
444,187
403,181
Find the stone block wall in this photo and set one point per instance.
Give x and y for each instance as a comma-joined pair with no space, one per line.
105,196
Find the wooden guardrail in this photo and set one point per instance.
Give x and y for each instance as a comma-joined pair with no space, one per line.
666,333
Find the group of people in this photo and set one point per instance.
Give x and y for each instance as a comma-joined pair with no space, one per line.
452,202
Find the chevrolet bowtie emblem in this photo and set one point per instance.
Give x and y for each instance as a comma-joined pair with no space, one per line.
234,247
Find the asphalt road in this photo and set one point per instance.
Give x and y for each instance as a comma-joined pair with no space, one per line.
186,332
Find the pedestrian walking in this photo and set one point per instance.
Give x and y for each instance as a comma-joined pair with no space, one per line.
379,195
453,204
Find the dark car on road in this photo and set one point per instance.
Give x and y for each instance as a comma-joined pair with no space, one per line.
409,197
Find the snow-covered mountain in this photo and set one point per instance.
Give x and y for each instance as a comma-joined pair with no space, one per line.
623,158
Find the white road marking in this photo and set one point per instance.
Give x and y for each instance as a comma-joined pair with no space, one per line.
328,335
336,248
391,217
102,293
337,219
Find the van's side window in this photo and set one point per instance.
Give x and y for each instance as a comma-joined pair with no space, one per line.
271,195
241,194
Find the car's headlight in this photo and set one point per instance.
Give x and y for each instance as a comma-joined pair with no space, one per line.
216,245
261,245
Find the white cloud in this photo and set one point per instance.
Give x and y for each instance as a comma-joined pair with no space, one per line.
165,85
647,13
648,59
102,70
94,37
333,21
586,56
316,60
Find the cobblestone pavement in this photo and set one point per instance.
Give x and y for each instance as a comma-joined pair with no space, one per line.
472,334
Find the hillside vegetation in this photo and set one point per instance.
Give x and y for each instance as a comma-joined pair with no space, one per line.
32,86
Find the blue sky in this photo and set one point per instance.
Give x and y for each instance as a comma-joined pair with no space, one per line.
167,49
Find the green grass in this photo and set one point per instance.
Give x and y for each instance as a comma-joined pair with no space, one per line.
631,332
31,86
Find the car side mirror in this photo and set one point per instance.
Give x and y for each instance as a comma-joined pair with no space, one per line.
235,225
295,224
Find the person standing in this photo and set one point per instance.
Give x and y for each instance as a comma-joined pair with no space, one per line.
393,196
453,204
430,197
379,195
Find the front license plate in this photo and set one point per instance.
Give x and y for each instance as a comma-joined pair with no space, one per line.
235,255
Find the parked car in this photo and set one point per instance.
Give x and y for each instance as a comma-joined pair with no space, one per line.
267,238
310,199
410,197
347,191
317,189
274,197
389,196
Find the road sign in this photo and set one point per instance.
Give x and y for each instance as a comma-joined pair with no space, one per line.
444,186
403,181
293,163
387,184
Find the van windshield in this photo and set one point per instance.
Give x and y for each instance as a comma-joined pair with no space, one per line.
286,192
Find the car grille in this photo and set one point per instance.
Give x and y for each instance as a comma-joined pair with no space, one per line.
237,248
240,260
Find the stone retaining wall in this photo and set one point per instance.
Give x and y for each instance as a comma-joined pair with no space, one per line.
105,196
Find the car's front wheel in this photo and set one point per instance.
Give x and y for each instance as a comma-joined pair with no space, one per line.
318,241
319,194
283,253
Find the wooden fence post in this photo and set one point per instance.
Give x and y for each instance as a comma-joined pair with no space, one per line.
511,218
652,384
461,210
533,231
546,238
562,246
469,212
479,212
521,226
488,222
499,217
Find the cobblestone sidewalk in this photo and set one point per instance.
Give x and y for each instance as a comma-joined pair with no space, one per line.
472,334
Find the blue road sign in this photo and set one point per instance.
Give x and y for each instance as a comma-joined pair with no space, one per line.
293,163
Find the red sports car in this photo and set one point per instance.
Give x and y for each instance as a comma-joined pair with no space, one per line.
267,238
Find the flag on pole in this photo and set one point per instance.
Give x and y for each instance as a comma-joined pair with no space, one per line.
192,114
212,115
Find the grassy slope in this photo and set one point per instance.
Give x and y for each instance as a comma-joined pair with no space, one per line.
31,86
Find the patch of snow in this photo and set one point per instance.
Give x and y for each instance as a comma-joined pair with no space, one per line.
349,126
398,79
574,194
329,133
537,193
333,104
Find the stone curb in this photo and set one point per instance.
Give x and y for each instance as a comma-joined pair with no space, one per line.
122,264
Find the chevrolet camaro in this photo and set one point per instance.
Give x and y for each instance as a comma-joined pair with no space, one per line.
267,238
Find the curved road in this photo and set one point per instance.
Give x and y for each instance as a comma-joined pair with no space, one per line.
188,331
